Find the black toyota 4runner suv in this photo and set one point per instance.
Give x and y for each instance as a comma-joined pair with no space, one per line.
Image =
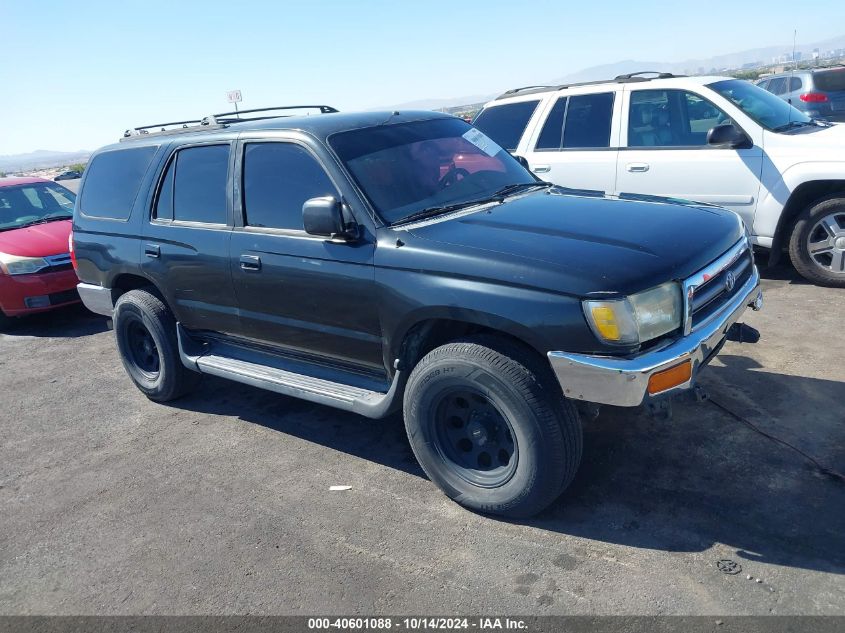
379,261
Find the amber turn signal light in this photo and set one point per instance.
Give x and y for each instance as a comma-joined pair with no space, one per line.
668,378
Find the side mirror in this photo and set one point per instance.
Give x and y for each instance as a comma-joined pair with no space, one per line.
728,136
324,217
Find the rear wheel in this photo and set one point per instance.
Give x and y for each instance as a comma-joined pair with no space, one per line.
146,338
817,244
489,425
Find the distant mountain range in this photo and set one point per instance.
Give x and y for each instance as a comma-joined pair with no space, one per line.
41,159
717,64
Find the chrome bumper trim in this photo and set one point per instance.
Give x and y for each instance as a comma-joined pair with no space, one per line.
623,382
96,298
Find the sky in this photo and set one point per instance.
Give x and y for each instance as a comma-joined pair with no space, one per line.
74,74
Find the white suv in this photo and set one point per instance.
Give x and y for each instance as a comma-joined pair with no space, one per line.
717,140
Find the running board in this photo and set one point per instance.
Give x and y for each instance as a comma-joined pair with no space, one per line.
295,379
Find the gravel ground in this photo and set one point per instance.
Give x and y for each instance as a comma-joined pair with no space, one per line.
220,502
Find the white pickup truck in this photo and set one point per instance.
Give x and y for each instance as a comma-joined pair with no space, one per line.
718,140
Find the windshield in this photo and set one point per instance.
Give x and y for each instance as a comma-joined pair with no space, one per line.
409,168
772,112
33,203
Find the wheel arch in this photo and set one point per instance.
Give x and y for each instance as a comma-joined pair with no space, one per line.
436,326
124,282
804,195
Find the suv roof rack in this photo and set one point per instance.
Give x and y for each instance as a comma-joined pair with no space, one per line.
215,121
620,79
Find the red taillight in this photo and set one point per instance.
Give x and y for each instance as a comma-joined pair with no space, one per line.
70,250
813,97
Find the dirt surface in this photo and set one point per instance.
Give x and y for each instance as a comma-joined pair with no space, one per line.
220,502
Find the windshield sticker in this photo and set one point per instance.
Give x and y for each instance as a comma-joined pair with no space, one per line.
482,142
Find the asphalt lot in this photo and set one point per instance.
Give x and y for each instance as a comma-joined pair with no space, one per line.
220,502
73,185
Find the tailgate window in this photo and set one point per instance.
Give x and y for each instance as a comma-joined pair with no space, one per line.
830,81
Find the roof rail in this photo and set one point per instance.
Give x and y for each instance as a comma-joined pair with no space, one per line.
629,78
514,91
214,121
638,76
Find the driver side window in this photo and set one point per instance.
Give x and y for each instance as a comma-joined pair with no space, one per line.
671,118
277,180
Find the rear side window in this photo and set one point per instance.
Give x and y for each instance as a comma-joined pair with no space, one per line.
506,123
587,122
830,81
794,84
278,179
112,182
194,187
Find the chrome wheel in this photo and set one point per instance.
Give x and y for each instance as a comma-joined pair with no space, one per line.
826,243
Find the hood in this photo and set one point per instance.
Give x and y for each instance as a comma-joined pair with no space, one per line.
39,240
809,142
581,245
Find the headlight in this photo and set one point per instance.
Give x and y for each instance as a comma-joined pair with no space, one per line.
16,265
638,318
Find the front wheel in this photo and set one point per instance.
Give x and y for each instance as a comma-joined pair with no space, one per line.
489,425
817,245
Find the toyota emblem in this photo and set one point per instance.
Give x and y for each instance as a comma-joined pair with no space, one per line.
730,281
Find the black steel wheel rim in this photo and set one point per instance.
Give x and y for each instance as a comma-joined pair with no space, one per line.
474,439
143,351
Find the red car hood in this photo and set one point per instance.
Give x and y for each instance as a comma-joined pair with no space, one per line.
36,241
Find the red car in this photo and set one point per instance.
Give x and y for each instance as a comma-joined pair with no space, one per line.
36,272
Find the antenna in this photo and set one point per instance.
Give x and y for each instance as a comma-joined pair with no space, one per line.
792,73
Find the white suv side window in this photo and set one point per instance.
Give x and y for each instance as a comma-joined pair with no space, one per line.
506,123
578,122
671,118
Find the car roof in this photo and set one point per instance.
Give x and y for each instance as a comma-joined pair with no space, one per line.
320,126
639,82
20,180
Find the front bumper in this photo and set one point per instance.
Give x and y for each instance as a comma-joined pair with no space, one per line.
624,382
37,292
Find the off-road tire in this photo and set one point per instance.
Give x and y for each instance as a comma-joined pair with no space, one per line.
798,248
139,310
522,387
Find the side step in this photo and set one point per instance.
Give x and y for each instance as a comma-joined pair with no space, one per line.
334,388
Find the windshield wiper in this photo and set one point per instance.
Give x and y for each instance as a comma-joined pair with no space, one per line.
511,189
498,196
792,125
429,212
44,220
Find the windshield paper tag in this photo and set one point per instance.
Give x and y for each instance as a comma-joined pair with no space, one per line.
482,142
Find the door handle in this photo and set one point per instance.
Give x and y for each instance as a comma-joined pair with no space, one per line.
152,250
250,262
541,169
637,167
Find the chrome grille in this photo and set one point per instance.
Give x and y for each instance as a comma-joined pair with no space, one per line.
58,262
710,289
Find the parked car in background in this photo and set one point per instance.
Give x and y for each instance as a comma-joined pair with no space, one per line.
718,140
819,92
403,260
69,175
36,273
